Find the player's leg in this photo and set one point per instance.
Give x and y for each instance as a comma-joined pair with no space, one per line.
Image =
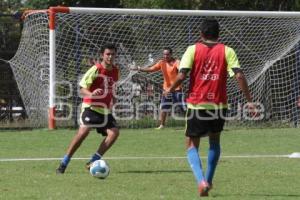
165,106
196,127
178,100
163,118
110,138
111,133
214,150
213,156
108,141
82,132
192,146
88,118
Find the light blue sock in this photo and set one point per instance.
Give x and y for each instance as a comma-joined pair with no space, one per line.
212,160
195,163
66,159
95,157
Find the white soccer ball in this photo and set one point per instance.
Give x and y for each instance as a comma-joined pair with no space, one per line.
99,169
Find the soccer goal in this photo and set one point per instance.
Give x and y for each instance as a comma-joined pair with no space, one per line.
58,45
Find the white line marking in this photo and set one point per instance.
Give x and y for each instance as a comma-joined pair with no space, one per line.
141,158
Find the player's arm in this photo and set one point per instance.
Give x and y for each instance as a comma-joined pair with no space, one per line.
233,68
114,99
151,68
179,80
254,111
86,92
242,82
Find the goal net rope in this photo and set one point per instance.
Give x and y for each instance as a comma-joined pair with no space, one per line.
267,45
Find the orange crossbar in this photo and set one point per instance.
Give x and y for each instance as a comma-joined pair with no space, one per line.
52,11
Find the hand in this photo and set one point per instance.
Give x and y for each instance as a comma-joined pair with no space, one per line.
166,92
97,92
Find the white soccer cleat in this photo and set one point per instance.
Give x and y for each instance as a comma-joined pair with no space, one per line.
160,127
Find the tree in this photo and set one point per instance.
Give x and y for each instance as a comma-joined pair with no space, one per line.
158,4
37,4
9,26
271,5
44,4
9,6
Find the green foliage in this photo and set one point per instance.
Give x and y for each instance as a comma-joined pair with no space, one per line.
10,6
10,29
158,4
214,4
44,4
38,4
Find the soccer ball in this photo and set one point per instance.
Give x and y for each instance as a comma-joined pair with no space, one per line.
99,169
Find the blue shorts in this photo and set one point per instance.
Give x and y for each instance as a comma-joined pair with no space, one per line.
173,99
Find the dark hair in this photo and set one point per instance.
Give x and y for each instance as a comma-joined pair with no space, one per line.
168,49
210,28
108,46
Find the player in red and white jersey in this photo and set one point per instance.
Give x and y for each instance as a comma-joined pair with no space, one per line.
97,87
208,63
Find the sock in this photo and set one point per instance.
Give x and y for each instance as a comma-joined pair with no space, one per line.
95,157
195,163
66,159
212,160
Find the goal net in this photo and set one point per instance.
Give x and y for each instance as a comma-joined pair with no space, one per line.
267,45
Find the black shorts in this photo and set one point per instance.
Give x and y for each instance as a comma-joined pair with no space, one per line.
201,122
97,120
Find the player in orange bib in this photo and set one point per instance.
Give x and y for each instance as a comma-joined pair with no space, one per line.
169,69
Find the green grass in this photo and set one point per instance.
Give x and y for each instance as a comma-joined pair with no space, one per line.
236,178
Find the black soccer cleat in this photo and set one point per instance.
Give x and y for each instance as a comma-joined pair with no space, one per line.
61,169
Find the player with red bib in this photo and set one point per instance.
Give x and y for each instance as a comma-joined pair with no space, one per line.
96,86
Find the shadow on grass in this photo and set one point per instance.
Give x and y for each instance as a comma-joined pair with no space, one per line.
153,171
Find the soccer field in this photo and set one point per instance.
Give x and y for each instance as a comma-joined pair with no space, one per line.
149,164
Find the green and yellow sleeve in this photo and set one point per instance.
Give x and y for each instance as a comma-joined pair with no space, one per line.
232,60
187,59
89,77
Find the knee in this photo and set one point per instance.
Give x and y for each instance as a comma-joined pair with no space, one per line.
83,132
214,138
113,133
214,142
